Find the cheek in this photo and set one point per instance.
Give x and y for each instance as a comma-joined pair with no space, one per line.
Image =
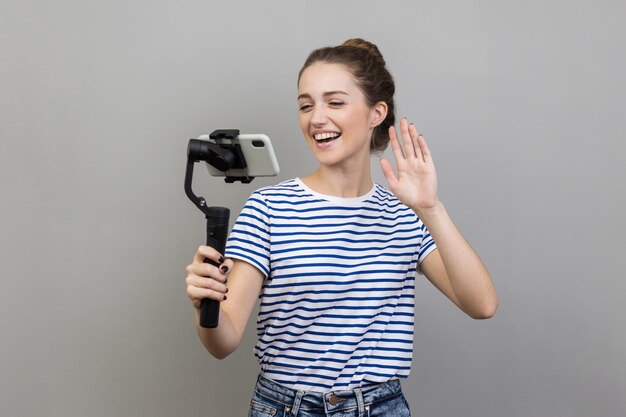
304,123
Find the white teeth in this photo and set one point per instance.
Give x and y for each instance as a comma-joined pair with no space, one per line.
322,136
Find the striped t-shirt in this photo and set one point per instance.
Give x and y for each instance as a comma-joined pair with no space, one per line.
338,299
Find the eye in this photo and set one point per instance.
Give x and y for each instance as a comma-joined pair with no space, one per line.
305,107
335,103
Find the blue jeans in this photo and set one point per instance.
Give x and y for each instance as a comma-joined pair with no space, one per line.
273,400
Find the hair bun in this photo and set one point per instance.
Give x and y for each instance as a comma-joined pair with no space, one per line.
368,46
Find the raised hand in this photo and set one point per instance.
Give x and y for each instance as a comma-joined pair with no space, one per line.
416,182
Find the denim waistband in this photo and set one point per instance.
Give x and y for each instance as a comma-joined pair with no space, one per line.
331,401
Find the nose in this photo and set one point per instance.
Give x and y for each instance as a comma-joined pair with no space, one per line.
318,118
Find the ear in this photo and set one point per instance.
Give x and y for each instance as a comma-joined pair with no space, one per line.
378,113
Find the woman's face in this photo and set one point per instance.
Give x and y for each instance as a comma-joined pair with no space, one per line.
335,118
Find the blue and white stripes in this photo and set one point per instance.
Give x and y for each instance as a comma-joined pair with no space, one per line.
337,305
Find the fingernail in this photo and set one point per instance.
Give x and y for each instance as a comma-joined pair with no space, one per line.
224,269
225,297
226,289
221,259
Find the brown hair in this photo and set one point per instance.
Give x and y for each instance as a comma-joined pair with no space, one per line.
370,73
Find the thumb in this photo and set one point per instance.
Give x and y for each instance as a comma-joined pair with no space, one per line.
385,165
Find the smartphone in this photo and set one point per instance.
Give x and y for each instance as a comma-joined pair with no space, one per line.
256,149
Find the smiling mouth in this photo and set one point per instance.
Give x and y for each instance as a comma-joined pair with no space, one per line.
326,137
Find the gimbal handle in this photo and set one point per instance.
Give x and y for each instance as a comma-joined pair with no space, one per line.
216,235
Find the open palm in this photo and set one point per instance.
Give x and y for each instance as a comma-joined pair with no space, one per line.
416,182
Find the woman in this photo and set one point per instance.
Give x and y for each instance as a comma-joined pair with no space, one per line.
335,256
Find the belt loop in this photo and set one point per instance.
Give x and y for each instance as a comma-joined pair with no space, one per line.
296,403
359,401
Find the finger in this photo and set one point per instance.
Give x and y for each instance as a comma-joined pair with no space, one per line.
207,271
425,150
207,252
395,145
197,294
388,172
415,142
206,283
409,147
227,266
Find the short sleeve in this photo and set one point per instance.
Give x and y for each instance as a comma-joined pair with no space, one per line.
249,240
426,246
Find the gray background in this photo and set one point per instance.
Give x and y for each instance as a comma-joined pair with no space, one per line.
523,107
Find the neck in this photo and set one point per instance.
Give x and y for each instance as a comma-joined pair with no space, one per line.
341,181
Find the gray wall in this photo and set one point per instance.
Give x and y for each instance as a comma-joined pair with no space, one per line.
523,107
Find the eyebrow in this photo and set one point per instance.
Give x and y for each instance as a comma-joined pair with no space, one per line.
326,94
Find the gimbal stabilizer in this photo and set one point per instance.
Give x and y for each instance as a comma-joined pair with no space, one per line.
223,157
